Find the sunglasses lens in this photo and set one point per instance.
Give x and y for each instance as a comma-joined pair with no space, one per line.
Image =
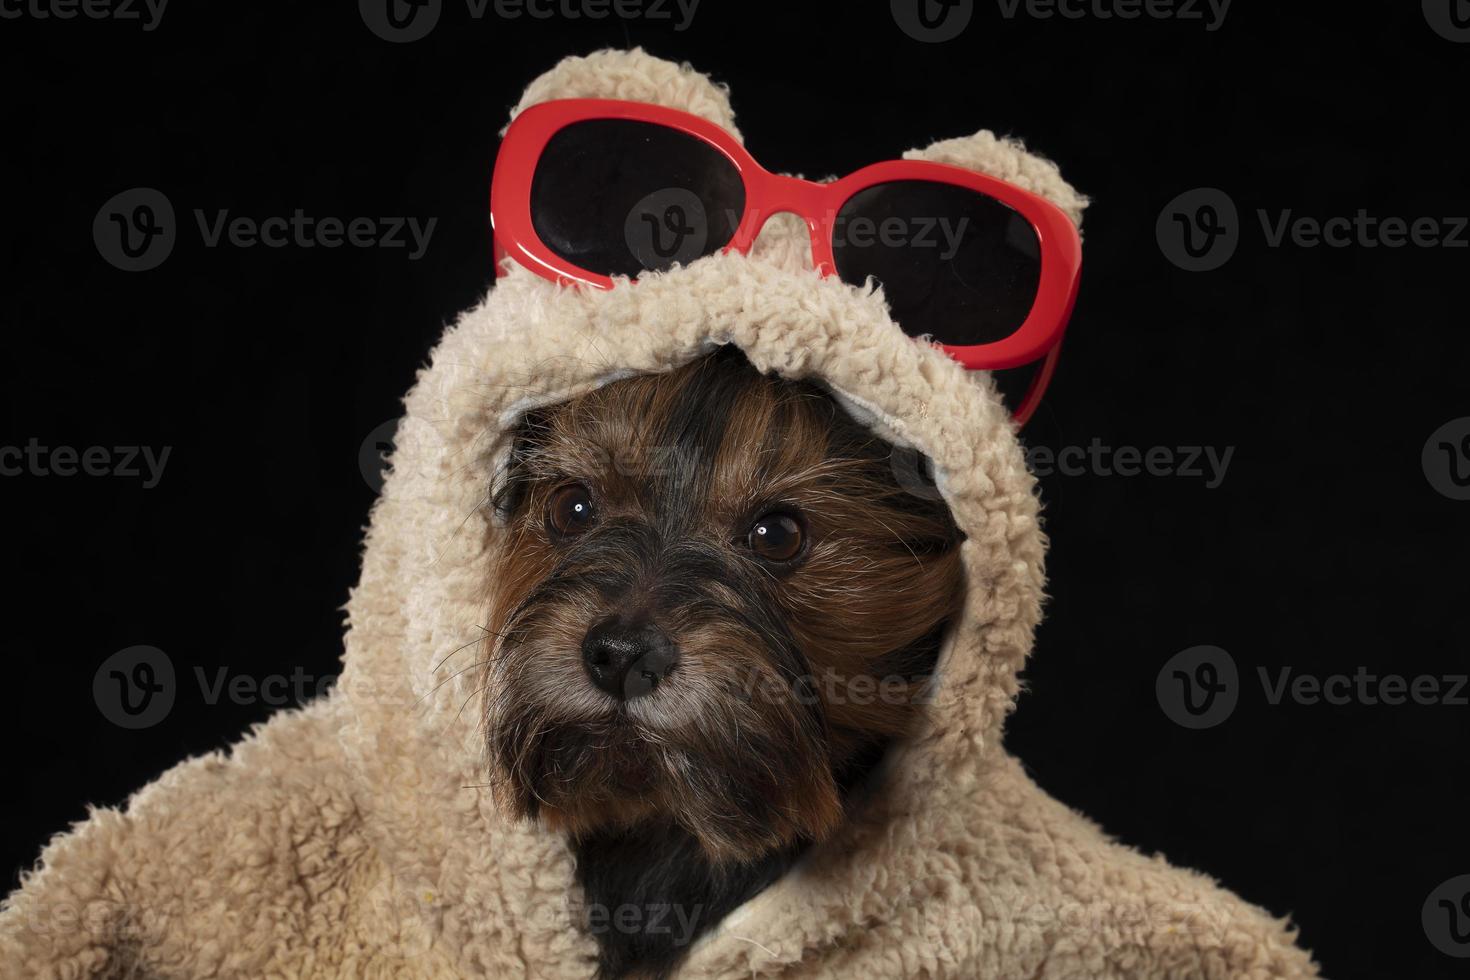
621,197
955,264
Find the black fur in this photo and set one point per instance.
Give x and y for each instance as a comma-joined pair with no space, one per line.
650,892
669,892
657,878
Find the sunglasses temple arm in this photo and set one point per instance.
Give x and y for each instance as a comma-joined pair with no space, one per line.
1038,386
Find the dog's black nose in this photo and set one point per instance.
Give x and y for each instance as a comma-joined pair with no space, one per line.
627,660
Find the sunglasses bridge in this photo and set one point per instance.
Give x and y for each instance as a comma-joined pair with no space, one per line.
808,200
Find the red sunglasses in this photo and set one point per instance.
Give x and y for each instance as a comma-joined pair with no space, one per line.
588,189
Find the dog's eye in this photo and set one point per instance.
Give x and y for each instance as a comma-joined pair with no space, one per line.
776,537
570,511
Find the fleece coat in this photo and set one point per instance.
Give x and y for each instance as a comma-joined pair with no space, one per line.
355,837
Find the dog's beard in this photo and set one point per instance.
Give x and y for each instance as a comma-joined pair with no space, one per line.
734,748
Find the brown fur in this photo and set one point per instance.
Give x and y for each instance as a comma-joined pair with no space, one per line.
786,674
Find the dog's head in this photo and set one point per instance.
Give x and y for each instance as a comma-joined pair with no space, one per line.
714,596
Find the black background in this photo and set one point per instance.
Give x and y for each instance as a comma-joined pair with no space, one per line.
1325,548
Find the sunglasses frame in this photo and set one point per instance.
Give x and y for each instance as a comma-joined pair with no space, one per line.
817,204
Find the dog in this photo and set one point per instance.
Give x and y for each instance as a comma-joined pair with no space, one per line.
715,607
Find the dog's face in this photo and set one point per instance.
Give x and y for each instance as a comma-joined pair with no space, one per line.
712,596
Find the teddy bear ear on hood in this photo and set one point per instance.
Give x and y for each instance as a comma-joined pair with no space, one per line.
633,76
1008,159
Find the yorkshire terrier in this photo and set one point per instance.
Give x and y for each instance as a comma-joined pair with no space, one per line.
715,608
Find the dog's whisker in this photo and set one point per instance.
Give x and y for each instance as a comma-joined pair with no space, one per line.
479,639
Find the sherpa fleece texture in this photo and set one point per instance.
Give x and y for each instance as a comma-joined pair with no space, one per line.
354,837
